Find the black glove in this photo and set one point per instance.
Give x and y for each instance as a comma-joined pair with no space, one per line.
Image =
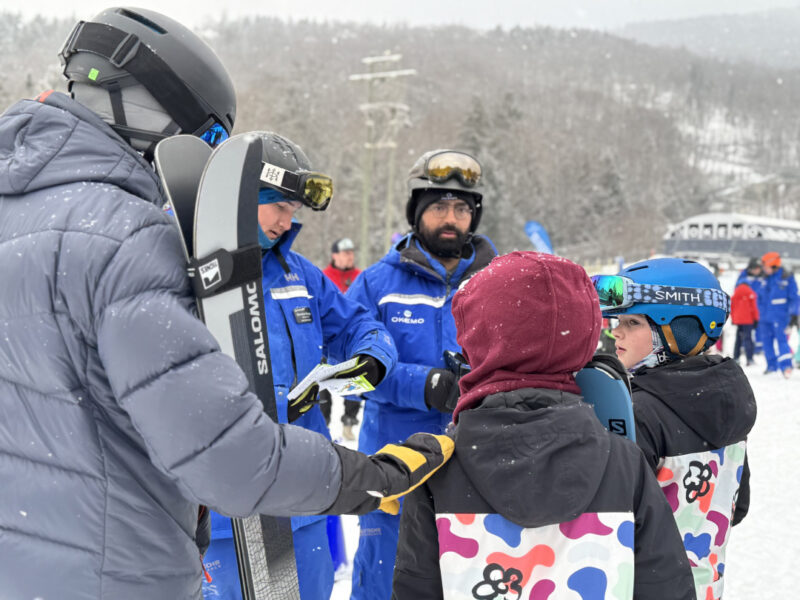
755,324
377,481
371,368
368,366
441,390
793,321
303,403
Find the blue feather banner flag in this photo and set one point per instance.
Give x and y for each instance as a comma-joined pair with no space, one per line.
537,234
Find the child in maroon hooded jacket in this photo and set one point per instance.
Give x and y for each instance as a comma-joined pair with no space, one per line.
539,501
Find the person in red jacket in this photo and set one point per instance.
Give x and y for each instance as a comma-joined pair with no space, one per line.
744,314
342,271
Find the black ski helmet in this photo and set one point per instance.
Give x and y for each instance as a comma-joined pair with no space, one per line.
128,46
418,181
282,152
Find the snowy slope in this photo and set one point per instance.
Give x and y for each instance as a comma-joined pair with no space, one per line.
763,548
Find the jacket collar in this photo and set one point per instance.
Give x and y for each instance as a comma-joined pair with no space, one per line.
409,253
284,245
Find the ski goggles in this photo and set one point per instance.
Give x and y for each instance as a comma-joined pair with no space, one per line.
214,135
617,293
315,190
444,166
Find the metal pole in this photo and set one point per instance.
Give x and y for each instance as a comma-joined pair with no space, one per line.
389,222
378,139
364,249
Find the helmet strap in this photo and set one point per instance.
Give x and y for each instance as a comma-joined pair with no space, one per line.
117,109
673,343
125,51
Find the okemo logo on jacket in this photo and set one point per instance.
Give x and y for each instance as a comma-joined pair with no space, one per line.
407,319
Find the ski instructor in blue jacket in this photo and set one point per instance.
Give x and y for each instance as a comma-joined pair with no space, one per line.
778,307
119,415
306,315
410,290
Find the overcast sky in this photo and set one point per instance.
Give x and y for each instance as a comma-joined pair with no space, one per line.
598,14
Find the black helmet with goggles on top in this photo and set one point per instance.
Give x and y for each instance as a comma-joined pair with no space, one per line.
286,169
445,170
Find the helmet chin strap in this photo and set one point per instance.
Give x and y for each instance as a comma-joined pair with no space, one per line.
126,114
657,355
672,343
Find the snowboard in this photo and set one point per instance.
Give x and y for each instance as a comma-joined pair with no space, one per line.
605,387
214,198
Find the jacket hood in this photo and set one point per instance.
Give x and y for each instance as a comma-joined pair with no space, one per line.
57,142
710,393
532,436
528,320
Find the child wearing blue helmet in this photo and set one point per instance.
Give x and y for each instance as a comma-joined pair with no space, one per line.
693,410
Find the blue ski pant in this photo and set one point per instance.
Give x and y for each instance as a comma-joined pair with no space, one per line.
773,334
314,563
373,565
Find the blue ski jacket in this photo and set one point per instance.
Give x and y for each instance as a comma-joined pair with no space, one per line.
308,318
411,293
119,415
778,299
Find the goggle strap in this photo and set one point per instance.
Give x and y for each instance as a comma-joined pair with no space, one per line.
647,293
125,51
279,177
290,182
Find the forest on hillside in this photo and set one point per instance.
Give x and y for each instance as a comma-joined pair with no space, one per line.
603,140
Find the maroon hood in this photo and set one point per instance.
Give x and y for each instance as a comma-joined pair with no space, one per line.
528,320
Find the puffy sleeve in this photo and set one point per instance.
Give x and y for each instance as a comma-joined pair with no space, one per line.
188,401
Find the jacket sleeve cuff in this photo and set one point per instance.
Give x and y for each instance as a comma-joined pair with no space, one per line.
359,474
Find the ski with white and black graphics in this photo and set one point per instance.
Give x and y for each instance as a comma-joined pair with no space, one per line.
214,196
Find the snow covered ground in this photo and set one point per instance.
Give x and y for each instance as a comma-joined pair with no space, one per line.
763,549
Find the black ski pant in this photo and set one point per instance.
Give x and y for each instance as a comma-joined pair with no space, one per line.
744,337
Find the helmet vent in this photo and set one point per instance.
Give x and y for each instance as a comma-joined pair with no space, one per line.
638,268
142,19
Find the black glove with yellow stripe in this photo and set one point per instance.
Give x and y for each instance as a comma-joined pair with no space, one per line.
379,480
303,403
366,365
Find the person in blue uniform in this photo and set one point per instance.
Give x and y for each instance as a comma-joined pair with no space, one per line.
306,316
410,291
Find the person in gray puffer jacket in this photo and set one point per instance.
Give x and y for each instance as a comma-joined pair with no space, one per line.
119,415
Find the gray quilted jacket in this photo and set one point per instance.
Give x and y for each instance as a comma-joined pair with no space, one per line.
118,413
